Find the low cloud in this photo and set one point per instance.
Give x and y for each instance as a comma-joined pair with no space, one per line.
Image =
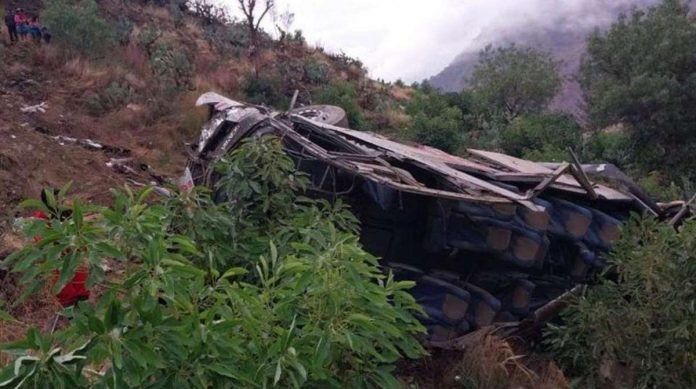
413,39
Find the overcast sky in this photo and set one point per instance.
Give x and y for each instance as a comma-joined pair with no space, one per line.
415,39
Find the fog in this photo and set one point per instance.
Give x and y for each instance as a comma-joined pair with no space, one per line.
412,39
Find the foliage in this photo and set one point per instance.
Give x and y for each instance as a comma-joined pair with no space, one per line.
147,39
172,66
344,95
610,147
230,38
510,81
639,318
541,137
437,120
315,72
643,72
209,12
661,188
79,25
205,305
265,89
442,131
116,95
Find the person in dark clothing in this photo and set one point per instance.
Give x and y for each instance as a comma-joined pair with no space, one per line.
46,35
11,26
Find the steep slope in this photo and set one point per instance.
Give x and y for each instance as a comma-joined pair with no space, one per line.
142,112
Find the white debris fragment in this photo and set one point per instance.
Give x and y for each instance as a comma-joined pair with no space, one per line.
13,137
38,108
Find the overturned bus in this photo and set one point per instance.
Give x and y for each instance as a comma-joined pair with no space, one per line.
488,238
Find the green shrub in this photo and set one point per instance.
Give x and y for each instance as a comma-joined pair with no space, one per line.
637,326
315,72
344,95
213,298
442,131
78,24
265,89
540,134
148,38
115,96
228,39
610,147
172,66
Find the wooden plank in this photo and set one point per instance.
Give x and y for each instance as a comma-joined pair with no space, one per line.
548,180
682,211
581,176
565,182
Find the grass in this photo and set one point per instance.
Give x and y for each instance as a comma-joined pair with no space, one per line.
488,361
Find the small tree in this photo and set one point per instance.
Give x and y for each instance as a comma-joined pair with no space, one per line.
510,81
254,16
637,328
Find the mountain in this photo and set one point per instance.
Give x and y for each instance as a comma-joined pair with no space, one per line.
561,31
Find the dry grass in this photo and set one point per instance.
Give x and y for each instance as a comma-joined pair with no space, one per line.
136,59
493,363
39,311
487,362
85,75
47,56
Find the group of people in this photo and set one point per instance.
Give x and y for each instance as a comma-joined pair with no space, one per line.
22,26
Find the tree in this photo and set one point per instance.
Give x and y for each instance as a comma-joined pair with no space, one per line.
252,16
510,81
642,72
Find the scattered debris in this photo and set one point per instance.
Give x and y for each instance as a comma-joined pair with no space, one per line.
38,108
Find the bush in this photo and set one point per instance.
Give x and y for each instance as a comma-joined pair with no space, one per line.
265,90
540,135
442,131
344,95
636,328
265,288
230,39
115,96
315,72
79,25
610,147
172,66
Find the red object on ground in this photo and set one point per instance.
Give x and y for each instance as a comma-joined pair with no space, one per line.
39,215
75,290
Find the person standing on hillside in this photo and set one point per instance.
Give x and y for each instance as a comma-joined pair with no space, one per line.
20,20
35,29
11,26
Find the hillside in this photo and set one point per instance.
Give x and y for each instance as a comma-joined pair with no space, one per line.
136,97
561,32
